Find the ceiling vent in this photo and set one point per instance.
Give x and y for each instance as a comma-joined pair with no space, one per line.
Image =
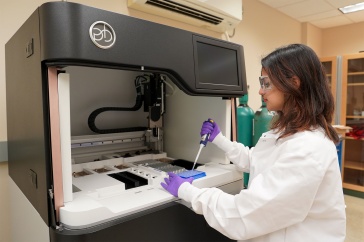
217,15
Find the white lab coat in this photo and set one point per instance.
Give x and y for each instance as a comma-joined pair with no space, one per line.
294,194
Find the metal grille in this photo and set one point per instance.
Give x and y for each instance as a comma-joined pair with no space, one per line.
185,10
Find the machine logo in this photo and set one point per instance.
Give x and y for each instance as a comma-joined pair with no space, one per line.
102,34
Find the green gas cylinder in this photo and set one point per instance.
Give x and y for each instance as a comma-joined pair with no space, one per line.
262,118
245,116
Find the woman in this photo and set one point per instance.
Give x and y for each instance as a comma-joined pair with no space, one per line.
295,192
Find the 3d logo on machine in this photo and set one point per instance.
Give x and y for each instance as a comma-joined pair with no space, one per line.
102,34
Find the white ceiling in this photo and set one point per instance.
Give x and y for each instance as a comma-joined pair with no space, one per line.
321,13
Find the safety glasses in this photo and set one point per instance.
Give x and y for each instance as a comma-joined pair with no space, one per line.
265,83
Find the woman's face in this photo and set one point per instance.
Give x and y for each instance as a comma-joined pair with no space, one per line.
270,94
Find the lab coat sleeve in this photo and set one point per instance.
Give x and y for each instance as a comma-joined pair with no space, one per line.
235,152
218,208
277,198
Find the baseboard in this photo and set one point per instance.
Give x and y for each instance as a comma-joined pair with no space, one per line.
3,151
354,193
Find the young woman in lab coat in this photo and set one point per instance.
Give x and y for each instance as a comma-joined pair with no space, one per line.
295,190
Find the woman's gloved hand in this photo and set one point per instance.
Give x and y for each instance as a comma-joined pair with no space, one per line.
173,182
210,127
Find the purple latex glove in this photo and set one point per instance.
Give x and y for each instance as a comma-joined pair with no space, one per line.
210,127
173,182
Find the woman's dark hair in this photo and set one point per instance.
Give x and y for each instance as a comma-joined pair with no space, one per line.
296,71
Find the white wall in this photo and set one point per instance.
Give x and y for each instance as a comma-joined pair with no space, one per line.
312,36
260,32
342,40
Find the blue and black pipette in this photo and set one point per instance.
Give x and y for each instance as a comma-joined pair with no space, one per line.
203,142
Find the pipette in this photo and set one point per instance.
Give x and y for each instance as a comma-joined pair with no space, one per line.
203,142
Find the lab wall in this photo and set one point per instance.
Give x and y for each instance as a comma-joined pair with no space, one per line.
343,40
312,36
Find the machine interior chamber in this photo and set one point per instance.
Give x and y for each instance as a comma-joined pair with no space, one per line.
94,88
132,151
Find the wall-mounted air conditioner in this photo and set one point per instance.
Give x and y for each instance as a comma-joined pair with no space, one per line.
217,15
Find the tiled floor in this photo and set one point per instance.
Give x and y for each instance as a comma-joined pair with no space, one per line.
355,219
354,212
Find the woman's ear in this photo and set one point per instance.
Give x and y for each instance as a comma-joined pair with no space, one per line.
296,81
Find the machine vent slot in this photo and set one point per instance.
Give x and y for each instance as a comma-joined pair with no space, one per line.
185,10
129,179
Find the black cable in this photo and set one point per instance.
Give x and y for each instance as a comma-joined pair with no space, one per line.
137,106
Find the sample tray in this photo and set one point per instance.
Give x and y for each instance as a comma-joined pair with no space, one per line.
192,173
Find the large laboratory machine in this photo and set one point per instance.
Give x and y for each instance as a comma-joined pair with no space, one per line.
100,107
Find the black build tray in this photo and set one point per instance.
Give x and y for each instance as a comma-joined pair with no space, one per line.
185,164
131,180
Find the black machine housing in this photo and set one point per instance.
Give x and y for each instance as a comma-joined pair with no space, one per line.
57,34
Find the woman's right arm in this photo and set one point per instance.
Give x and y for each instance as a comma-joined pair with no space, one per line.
234,151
